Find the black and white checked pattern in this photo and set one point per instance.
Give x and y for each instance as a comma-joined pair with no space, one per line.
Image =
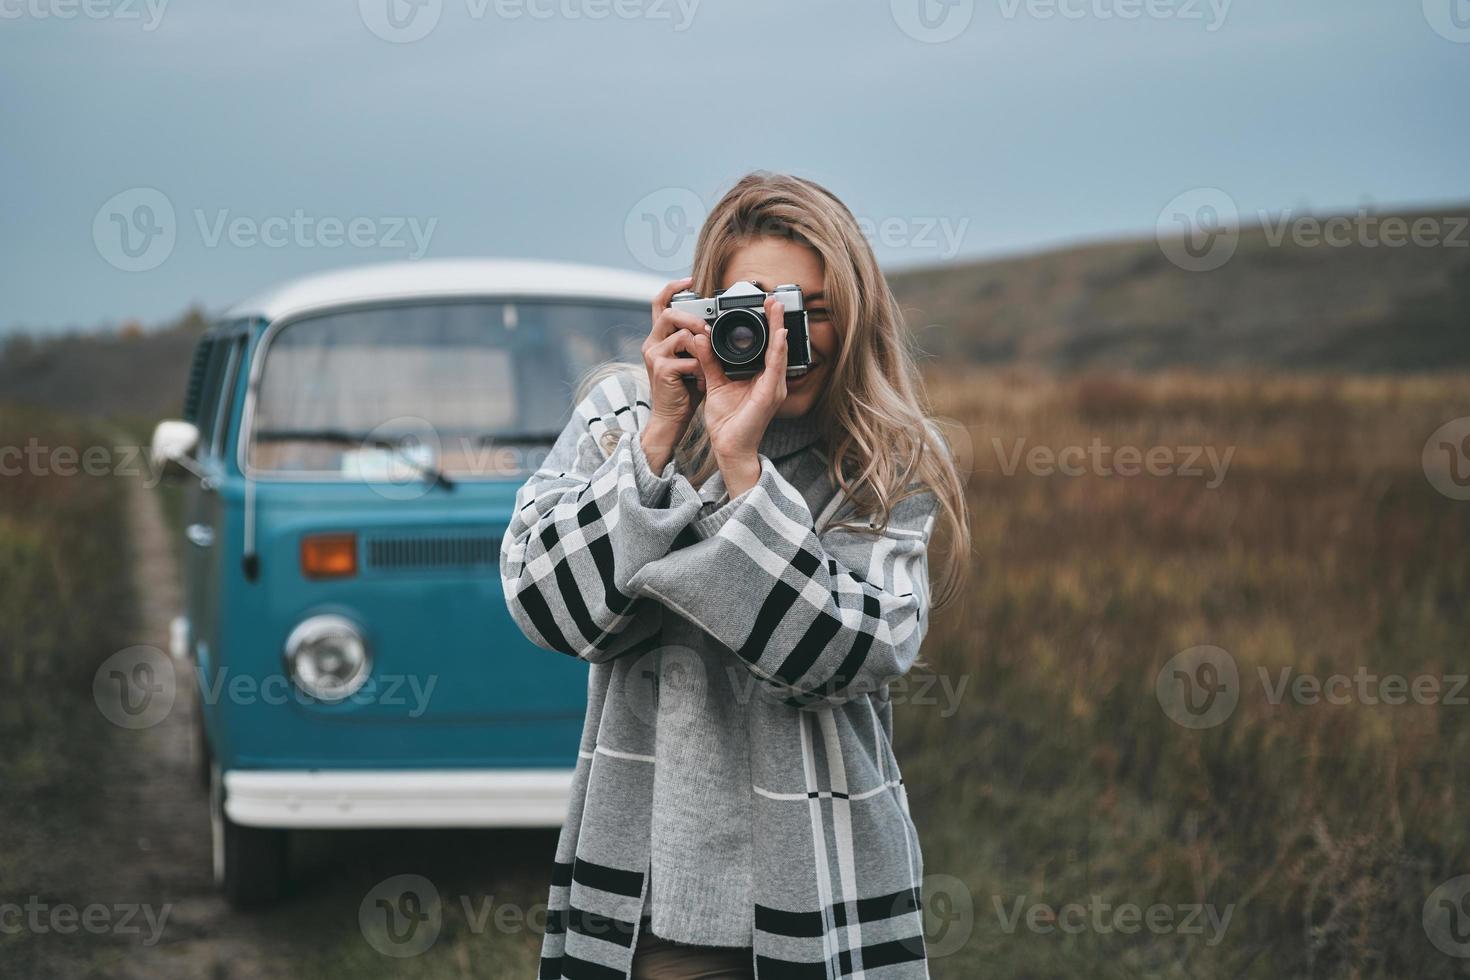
583,524
604,559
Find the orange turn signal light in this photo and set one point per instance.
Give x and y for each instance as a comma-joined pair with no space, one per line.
329,555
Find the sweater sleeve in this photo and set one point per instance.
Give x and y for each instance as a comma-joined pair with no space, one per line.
826,616
586,520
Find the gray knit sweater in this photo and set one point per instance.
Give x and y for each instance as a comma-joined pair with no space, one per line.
736,778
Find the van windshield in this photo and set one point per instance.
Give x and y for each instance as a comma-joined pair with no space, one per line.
465,388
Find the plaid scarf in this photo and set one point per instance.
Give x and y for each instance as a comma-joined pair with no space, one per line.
642,575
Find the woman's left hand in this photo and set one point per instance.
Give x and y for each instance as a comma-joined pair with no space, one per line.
736,413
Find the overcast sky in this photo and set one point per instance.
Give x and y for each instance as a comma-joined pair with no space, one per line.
157,154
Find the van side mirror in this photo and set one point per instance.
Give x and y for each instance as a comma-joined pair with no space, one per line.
173,441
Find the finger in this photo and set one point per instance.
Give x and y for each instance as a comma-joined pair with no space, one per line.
679,346
773,377
672,322
714,371
670,367
661,301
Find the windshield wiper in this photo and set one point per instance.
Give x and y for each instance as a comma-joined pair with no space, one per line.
341,437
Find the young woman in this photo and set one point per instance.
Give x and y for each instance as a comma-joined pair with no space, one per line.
744,564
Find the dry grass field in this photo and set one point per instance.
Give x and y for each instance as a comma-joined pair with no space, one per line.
1072,827
1319,824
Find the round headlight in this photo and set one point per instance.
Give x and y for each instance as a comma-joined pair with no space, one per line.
328,657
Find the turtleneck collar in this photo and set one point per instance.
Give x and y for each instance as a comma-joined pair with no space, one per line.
785,436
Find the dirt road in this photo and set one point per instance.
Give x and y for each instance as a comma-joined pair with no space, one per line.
146,857
155,824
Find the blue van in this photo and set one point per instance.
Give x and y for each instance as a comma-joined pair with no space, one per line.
353,444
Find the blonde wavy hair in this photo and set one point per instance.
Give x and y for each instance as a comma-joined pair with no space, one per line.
877,432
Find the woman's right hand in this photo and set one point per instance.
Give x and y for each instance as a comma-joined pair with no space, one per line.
674,400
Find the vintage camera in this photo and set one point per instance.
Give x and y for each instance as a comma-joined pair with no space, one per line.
738,330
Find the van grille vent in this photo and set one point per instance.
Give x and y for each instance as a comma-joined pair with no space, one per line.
425,553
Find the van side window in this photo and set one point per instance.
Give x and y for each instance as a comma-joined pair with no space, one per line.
198,368
209,392
215,411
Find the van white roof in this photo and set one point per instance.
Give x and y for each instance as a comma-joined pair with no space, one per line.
445,278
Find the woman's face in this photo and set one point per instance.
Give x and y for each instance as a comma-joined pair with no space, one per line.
769,262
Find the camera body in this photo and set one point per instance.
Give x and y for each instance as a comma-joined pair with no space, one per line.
738,330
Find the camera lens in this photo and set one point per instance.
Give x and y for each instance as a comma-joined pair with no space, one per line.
739,336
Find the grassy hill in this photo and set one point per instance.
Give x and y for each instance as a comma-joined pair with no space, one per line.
129,374
1124,305
1120,305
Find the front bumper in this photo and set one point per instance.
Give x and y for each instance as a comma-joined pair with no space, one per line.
388,798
